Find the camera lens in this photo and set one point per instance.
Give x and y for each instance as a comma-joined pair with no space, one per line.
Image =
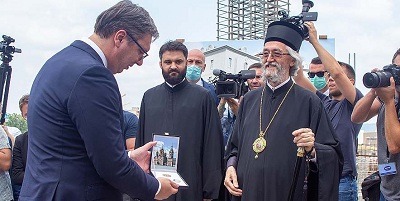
371,80
377,79
230,89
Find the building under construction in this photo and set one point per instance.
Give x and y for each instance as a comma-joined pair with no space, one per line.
247,19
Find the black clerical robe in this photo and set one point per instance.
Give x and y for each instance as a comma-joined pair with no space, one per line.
270,176
187,111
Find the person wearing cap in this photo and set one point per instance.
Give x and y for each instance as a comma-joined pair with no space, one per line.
339,105
277,122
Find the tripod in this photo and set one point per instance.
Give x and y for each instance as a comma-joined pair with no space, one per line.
5,73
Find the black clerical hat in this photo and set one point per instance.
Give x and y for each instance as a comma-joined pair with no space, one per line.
285,32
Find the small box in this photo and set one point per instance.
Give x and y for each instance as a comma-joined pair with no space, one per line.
164,159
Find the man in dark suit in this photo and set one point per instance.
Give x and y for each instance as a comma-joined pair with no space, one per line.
19,152
196,64
76,147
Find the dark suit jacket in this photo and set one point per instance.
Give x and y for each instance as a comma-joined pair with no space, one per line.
19,158
212,91
76,147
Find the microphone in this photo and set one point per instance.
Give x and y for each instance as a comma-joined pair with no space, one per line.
247,74
218,72
243,74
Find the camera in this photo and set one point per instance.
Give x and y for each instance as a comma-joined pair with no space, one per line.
232,85
5,72
304,16
382,78
6,50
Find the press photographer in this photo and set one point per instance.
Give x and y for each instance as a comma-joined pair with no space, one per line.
383,100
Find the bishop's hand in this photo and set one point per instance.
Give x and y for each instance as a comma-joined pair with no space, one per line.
141,155
304,137
231,183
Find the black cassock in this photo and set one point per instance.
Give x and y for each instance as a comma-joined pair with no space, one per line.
187,111
270,176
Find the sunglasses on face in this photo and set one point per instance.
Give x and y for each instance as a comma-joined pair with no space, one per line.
318,74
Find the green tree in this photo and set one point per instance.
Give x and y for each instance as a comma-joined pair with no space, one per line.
16,120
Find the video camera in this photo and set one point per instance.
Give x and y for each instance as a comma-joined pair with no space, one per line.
382,78
6,50
304,16
232,85
5,72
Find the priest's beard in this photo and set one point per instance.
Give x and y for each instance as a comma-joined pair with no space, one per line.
174,76
274,73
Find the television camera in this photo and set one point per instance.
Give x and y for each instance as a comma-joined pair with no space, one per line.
232,85
304,16
6,52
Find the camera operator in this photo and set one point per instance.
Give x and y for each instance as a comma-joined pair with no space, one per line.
258,80
228,107
339,105
384,102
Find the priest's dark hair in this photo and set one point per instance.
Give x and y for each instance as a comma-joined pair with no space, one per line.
127,16
173,46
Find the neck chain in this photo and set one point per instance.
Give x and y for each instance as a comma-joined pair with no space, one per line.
260,143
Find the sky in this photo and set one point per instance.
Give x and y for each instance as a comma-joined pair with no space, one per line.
41,28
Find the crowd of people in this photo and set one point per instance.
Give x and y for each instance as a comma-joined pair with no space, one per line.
290,137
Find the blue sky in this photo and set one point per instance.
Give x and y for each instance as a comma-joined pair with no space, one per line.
41,28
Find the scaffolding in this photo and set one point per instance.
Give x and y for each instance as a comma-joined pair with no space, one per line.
247,19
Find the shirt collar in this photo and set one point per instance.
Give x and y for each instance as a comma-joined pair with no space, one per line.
97,49
200,82
277,87
172,86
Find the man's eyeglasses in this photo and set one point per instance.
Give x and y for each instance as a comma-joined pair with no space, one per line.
145,54
318,74
274,54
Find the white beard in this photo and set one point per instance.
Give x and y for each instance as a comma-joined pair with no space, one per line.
274,74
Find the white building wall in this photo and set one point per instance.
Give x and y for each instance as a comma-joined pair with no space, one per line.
228,61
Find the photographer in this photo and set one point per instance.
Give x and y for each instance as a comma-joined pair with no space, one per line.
228,113
383,101
343,95
258,80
